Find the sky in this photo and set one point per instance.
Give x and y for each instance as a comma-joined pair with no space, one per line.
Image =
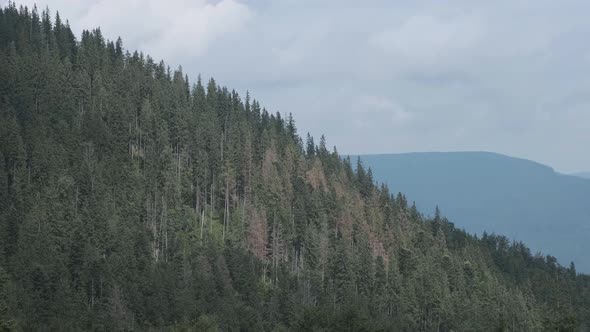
511,77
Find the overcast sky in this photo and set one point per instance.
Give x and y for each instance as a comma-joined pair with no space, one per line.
383,76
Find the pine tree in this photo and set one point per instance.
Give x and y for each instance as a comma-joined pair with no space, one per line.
310,146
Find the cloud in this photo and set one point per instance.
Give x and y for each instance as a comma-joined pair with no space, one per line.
380,109
165,29
425,40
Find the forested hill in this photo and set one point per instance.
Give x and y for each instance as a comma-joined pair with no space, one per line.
491,192
133,199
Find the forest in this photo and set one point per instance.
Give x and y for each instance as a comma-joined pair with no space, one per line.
133,198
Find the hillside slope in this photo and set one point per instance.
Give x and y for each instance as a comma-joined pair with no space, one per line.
134,199
490,192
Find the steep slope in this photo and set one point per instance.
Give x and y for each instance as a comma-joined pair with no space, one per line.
490,192
131,199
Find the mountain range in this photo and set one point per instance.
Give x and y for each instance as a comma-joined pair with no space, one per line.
494,193
585,175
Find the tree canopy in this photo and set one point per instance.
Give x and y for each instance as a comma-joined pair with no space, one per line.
133,199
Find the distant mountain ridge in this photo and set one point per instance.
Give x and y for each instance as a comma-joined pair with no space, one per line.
483,191
585,175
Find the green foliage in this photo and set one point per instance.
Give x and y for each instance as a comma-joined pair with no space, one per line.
131,200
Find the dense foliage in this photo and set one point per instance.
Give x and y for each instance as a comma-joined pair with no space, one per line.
131,199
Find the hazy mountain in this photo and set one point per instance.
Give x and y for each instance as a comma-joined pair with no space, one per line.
490,192
585,175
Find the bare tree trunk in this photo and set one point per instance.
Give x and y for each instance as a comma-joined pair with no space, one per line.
161,232
223,137
76,201
197,200
164,230
202,220
92,293
212,211
154,216
178,165
226,210
236,200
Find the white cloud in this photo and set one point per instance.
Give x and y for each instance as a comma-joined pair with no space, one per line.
426,40
379,111
164,29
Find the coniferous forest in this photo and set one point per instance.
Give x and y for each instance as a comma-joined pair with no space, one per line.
133,198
